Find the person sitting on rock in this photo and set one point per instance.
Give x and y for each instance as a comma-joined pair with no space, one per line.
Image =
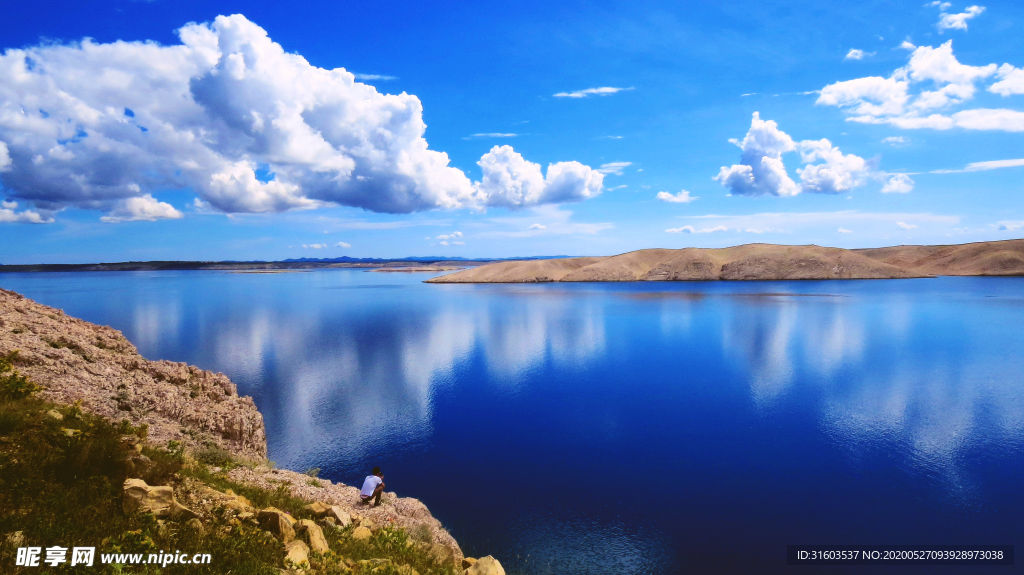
373,487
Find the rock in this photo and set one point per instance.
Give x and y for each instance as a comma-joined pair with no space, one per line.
246,515
138,497
297,554
318,509
196,525
313,534
468,562
276,522
342,518
485,566
54,414
16,539
361,533
365,522
407,570
442,554
71,432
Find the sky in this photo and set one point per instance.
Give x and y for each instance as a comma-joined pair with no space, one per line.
160,130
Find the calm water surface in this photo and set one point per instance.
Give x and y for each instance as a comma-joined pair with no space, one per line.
620,428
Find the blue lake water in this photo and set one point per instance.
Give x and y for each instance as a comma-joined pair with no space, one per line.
620,428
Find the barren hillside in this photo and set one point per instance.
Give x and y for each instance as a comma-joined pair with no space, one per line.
747,262
1004,258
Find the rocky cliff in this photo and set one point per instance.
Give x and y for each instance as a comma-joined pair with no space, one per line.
75,360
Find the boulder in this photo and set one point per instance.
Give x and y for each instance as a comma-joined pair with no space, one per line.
276,522
468,562
340,517
442,554
318,509
312,533
296,553
361,533
54,414
138,497
485,566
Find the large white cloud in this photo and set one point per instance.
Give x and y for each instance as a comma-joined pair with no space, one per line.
229,113
919,95
513,182
145,208
761,170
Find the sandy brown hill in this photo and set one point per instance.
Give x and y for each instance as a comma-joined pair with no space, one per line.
747,262
1003,258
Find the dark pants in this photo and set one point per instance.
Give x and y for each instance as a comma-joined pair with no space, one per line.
375,497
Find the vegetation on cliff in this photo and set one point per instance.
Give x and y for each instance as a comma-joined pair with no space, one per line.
63,477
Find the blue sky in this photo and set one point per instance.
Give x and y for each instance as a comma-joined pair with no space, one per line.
147,143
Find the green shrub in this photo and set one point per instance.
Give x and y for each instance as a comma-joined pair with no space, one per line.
12,384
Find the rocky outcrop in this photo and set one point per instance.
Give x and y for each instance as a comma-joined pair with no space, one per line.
138,497
485,566
74,360
342,504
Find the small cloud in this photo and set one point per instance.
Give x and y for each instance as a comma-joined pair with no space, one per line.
609,137
907,45
844,231
898,184
8,215
896,141
313,246
682,197
617,188
748,94
690,230
450,236
957,21
1009,226
943,6
374,77
984,166
538,227
443,243
458,243
603,91
142,208
905,226
342,245
490,135
855,54
614,168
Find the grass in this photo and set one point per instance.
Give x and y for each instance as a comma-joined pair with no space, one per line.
66,490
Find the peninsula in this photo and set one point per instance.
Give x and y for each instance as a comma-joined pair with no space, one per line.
759,262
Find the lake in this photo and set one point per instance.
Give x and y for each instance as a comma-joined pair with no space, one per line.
619,428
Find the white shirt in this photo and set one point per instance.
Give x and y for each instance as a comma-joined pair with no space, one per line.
371,483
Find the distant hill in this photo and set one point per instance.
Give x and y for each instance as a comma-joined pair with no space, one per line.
759,262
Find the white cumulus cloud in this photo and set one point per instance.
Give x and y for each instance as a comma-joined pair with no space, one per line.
342,245
314,246
603,91
918,95
682,197
957,21
511,181
450,236
905,226
898,184
229,114
761,169
143,208
844,231
538,227
9,215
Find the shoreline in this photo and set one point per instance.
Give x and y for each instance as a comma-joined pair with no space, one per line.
97,368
